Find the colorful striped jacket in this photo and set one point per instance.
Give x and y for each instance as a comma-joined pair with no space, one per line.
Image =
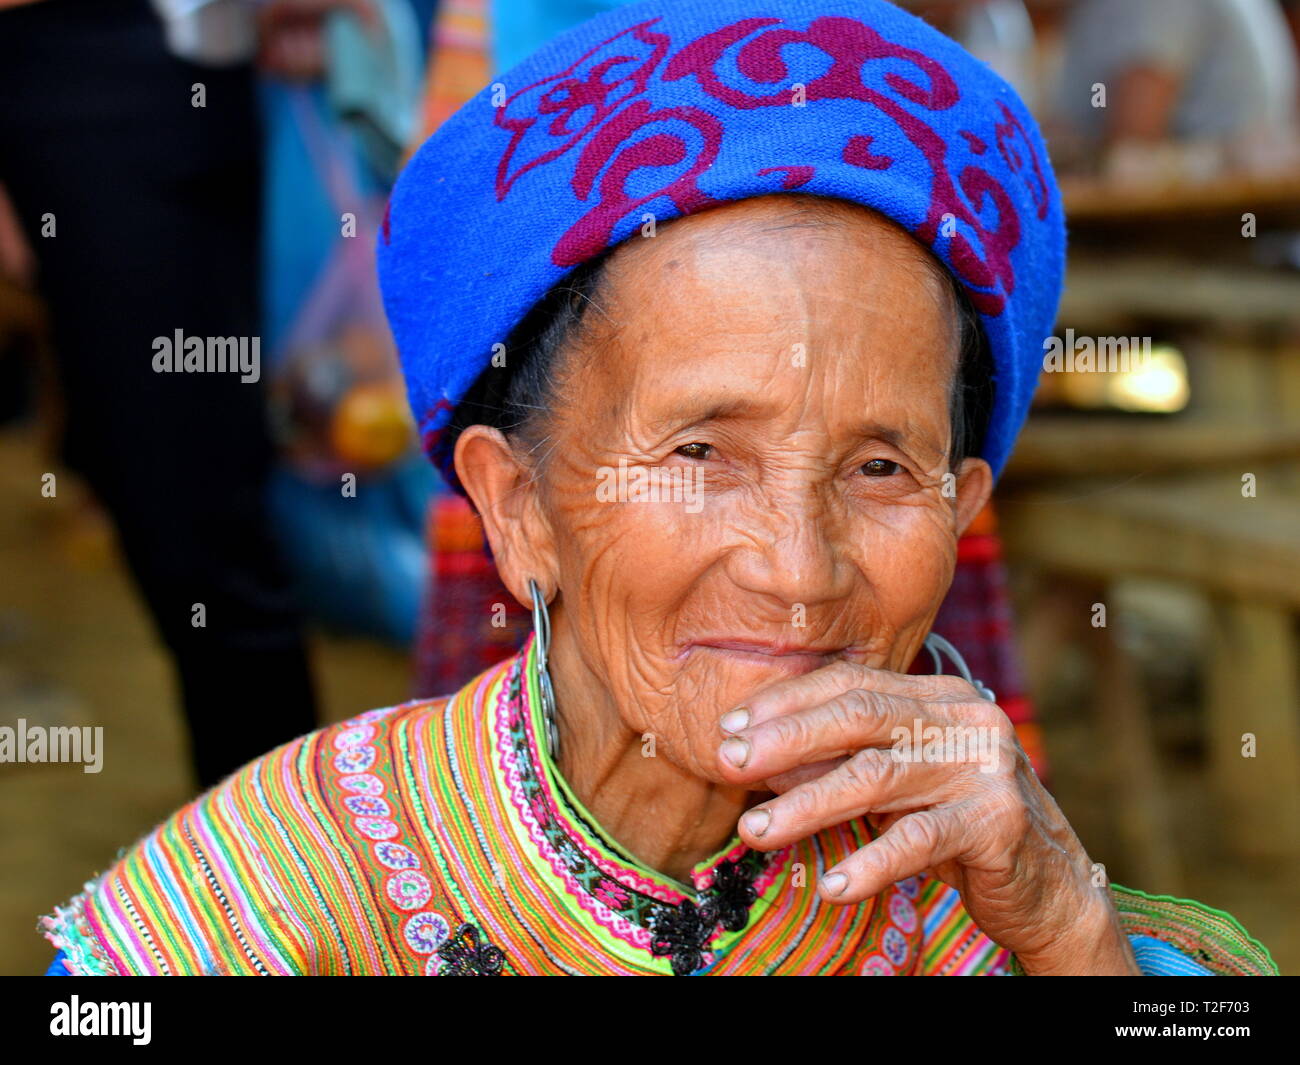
437,838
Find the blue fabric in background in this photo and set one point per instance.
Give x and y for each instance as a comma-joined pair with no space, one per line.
300,226
425,12
361,564
519,27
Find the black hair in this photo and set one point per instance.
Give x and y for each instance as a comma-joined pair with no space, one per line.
515,397
971,405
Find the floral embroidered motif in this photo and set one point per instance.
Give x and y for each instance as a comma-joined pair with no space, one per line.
407,887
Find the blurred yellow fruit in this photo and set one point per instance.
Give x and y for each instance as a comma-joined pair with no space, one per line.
371,426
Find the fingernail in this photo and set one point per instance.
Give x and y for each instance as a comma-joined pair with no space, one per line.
756,821
736,751
835,883
735,720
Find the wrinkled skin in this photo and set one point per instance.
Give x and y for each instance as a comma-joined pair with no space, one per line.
800,365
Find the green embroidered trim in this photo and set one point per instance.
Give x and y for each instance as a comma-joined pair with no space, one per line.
1211,937
637,907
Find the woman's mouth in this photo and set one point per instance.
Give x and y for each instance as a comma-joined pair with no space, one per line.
784,657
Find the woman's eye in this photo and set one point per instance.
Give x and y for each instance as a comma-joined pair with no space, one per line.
880,468
695,451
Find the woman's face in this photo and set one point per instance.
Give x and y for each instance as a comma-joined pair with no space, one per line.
746,473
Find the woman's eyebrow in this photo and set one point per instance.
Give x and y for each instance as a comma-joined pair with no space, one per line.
915,439
688,417
878,431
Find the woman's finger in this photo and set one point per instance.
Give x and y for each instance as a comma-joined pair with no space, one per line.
858,718
914,843
838,727
788,781
872,780
811,689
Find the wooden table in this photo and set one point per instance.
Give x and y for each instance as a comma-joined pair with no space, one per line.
1087,503
1090,202
1091,508
1052,447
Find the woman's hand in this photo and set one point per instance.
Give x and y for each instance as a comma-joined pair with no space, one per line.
964,805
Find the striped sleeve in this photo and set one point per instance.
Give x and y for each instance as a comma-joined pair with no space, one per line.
1170,937
203,893
1157,958
1206,938
951,943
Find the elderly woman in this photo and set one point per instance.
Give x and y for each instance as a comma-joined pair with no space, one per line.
725,324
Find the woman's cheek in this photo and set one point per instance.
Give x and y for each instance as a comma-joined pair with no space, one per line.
644,578
908,561
671,540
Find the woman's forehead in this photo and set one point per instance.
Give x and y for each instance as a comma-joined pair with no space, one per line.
789,269
776,225
824,330
764,280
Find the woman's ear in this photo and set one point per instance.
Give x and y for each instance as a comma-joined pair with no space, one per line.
974,486
504,493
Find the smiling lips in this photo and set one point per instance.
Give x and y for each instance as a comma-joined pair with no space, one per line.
792,658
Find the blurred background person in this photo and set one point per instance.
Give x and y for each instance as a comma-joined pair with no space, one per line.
350,492
231,186
142,210
1217,76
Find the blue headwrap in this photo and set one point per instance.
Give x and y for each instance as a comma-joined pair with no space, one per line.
668,107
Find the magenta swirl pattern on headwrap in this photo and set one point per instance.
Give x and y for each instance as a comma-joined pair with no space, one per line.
604,92
548,111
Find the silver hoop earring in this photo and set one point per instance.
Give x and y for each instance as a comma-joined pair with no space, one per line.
934,643
542,631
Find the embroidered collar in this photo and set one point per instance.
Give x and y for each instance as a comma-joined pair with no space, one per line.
682,921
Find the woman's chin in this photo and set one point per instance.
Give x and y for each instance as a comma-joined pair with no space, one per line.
716,680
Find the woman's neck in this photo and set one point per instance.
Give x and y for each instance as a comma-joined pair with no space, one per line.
659,813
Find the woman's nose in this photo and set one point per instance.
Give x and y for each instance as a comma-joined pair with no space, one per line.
792,552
